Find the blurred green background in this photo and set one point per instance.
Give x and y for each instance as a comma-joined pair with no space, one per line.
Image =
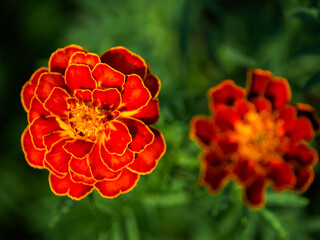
191,46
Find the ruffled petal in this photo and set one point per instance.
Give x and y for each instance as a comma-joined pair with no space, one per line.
262,104
126,182
226,118
117,138
83,94
125,61
78,148
47,82
41,127
107,77
202,130
298,129
75,177
278,92
214,178
149,114
257,82
148,159
58,158
98,169
28,89
109,99
80,166
226,93
135,95
214,159
33,156
153,84
301,155
56,102
254,192
65,186
244,170
308,111
114,161
288,113
59,60
305,177
79,77
53,137
140,133
281,175
89,59
36,110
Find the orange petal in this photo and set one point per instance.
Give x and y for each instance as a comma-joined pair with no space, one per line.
125,61
89,59
107,77
33,156
254,193
47,82
81,179
140,133
114,161
36,110
281,175
108,98
28,89
58,158
65,186
83,94
79,77
148,159
56,103
59,60
78,148
257,82
98,169
278,92
152,82
288,113
149,114
117,138
135,95
301,154
202,130
126,182
262,104
80,166
226,93
298,129
41,127
53,137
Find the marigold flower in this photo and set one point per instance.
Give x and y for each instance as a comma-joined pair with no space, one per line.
256,137
89,120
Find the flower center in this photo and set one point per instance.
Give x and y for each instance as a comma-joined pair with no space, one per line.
89,121
258,136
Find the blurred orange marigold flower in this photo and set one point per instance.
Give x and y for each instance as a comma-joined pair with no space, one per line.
256,137
89,120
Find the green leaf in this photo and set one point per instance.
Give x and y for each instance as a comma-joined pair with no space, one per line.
286,200
131,224
274,223
307,14
312,82
63,207
165,200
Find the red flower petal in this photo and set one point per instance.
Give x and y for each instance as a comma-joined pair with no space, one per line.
226,118
243,106
215,179
80,166
83,94
33,156
305,177
53,137
78,148
262,104
298,129
301,155
135,95
281,175
79,77
89,59
59,60
226,93
81,179
117,138
108,98
65,186
58,158
257,82
148,159
56,103
28,89
202,130
140,133
53,171
153,84
307,111
126,182
125,61
149,114
36,110
254,193
107,77
244,170
114,161
214,159
46,84
278,91
227,145
41,127
98,169
287,113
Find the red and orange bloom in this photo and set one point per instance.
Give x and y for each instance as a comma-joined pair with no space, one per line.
89,120
256,137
